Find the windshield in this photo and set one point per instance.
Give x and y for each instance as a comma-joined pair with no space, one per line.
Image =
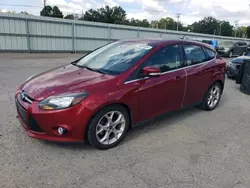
226,43
115,58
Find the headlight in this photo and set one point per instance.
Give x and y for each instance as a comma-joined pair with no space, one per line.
62,101
226,49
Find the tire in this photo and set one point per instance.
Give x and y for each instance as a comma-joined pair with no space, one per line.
104,122
206,103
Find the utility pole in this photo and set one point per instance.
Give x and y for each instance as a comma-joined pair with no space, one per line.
44,3
236,27
220,27
178,19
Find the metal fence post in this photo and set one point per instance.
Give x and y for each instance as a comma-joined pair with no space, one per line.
109,34
138,32
28,34
73,37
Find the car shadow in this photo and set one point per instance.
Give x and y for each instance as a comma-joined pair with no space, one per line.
168,119
139,129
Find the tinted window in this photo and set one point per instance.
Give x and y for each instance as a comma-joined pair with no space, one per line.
241,44
194,54
115,58
166,59
210,54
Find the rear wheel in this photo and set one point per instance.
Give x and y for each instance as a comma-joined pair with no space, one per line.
212,97
108,127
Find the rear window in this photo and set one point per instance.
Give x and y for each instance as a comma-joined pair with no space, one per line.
241,43
194,54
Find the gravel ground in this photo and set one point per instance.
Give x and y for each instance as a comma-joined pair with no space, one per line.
191,148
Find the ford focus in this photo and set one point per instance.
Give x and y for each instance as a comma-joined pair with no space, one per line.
100,96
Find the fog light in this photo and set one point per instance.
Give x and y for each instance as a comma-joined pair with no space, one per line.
61,130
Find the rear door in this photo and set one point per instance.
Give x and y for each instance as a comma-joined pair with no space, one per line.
199,73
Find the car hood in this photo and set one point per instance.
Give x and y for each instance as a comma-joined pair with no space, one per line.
63,80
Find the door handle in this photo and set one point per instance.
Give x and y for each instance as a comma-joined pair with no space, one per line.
177,78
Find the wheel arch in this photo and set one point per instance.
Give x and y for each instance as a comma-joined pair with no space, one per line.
125,106
221,83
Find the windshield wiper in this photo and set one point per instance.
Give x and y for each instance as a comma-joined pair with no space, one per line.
91,69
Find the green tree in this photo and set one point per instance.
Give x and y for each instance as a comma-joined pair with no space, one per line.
210,25
207,25
144,23
248,32
107,14
167,23
170,24
24,12
225,28
46,11
51,12
69,16
56,12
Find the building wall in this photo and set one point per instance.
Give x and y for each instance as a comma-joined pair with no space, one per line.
30,33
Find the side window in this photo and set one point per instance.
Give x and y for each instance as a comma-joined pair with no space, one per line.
166,59
242,44
194,54
210,54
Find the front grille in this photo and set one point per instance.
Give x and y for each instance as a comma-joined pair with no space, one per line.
24,97
33,125
22,112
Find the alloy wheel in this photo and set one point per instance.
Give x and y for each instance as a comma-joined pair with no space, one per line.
110,127
214,96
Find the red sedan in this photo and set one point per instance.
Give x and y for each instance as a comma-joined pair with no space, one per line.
100,96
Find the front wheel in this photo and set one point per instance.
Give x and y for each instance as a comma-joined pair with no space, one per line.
212,97
108,127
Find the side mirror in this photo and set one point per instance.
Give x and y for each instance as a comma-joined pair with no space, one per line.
151,71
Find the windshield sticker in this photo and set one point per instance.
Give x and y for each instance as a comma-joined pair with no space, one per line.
144,46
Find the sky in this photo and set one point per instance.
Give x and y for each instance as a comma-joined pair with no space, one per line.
191,10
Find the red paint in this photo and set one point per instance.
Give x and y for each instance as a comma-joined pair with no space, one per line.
145,98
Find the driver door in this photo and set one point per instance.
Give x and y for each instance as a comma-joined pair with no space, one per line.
164,93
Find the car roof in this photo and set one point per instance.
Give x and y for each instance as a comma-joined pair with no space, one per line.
162,41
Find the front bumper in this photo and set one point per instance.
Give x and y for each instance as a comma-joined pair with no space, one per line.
44,124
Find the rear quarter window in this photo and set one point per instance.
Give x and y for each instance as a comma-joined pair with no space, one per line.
210,54
193,54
